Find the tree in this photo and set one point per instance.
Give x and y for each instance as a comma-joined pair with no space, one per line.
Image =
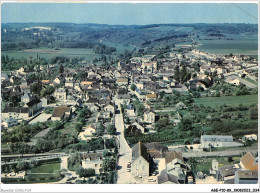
185,124
133,87
253,113
100,129
177,74
109,165
82,172
111,130
22,166
61,70
47,91
106,153
3,59
230,159
15,99
36,88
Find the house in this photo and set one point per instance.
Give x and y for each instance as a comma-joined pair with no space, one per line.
221,70
104,117
125,99
227,173
69,83
130,111
58,80
208,141
94,161
76,86
246,177
45,101
16,112
235,81
140,161
138,126
151,97
122,81
252,137
87,132
149,66
149,116
87,84
46,82
27,97
91,101
93,107
140,94
35,105
110,107
104,102
249,162
60,113
166,178
175,165
60,94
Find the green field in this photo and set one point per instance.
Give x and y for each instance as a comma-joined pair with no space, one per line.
228,100
250,80
51,167
48,53
239,45
206,165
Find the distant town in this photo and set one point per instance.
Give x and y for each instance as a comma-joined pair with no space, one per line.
167,114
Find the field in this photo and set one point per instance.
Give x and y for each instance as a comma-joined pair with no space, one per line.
240,45
48,53
228,100
250,80
48,167
207,163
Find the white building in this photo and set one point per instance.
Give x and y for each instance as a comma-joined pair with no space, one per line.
93,160
208,141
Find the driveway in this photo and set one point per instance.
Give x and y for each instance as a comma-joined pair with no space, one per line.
124,149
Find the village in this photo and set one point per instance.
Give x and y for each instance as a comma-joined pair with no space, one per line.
127,124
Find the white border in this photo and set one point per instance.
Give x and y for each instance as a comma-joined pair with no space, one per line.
129,187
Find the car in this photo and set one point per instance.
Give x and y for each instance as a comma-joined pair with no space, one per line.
151,180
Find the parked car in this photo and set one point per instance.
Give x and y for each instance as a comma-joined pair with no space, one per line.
151,180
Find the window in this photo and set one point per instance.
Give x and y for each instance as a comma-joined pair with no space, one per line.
95,165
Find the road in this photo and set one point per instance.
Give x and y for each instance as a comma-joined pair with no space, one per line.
125,153
236,72
228,152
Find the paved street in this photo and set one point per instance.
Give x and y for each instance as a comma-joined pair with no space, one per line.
124,150
228,152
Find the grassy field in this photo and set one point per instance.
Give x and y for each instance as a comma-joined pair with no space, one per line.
207,163
239,45
51,167
228,100
251,81
48,53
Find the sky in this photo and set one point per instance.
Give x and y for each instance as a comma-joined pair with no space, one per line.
129,13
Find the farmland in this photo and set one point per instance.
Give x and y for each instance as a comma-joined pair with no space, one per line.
48,53
228,100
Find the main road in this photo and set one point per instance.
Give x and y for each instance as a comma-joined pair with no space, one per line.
125,152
